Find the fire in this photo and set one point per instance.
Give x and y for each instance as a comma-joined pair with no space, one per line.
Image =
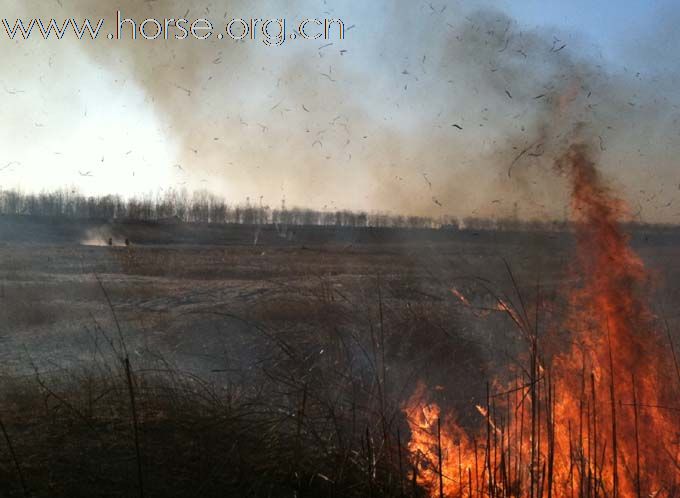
599,419
435,441
617,344
460,297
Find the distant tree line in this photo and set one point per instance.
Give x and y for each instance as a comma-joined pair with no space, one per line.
199,207
203,207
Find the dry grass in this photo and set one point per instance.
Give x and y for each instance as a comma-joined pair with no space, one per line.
316,414
75,437
309,404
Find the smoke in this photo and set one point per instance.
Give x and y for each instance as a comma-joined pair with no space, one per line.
424,109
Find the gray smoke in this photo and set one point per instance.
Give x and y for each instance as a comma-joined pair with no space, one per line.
424,109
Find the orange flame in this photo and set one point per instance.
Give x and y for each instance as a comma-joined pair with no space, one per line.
599,420
460,297
457,452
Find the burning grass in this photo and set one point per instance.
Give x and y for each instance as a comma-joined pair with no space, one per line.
357,385
595,417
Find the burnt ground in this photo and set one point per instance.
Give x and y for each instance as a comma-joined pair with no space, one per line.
260,366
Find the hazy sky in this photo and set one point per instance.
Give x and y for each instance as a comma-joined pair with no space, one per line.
365,123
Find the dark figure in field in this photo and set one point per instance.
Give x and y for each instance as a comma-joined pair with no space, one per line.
110,241
127,242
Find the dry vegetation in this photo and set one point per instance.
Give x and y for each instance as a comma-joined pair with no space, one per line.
254,372
242,371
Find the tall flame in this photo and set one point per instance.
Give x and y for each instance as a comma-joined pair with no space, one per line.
598,420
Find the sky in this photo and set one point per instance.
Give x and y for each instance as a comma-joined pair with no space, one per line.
423,108
606,23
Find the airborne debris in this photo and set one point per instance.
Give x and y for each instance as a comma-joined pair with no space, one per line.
12,91
188,92
602,147
8,165
519,156
326,75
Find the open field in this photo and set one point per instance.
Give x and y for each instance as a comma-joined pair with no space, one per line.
167,296
267,369
392,250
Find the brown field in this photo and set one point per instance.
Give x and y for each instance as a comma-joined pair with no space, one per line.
257,370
